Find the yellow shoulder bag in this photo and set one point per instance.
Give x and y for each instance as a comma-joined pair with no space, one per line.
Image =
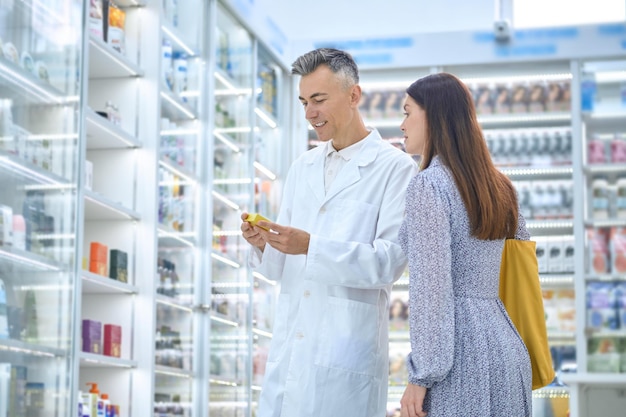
520,292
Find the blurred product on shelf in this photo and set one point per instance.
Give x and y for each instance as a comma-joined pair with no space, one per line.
560,310
118,269
6,226
530,147
112,340
115,27
92,336
98,258
96,18
168,348
166,63
606,354
4,317
180,69
607,250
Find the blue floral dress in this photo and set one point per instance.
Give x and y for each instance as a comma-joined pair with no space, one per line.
464,347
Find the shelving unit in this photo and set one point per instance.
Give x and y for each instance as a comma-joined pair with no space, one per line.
148,127
38,204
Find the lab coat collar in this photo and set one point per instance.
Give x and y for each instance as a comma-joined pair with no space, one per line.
349,173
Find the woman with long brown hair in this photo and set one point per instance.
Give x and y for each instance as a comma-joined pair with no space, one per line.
467,358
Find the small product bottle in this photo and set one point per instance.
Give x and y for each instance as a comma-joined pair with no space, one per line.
19,232
80,404
106,406
93,398
600,198
620,198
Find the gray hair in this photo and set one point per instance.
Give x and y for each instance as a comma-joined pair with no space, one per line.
339,62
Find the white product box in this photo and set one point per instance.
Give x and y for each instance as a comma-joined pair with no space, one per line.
555,254
5,388
6,225
568,253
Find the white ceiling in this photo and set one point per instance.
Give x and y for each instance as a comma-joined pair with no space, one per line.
328,19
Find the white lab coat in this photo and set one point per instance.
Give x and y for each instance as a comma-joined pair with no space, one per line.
329,352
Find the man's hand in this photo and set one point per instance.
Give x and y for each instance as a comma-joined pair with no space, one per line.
251,234
285,239
412,401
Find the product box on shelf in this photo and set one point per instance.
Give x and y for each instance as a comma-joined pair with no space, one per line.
98,258
92,336
602,314
598,247
604,354
541,249
112,340
6,225
618,250
119,265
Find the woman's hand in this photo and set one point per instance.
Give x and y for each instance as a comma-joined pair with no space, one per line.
412,401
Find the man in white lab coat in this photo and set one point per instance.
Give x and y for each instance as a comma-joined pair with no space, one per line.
334,248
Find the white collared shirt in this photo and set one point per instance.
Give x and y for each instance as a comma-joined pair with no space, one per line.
336,160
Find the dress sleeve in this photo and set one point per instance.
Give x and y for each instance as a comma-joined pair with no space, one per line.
431,298
522,232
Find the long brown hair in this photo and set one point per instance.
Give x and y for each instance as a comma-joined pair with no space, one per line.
455,136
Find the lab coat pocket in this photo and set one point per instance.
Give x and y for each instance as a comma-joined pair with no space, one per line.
355,221
349,336
279,334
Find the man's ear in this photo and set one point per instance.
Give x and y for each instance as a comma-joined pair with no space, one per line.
355,95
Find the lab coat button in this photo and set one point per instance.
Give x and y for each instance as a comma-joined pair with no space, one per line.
307,293
323,210
299,335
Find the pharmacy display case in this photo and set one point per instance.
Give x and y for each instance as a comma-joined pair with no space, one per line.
40,90
111,216
268,142
598,386
181,256
232,193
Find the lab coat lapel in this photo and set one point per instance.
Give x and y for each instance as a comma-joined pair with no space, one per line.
315,173
351,173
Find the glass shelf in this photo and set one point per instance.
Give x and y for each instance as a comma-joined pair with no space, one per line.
174,239
530,120
24,84
590,378
98,284
174,108
102,134
549,224
604,168
28,171
600,223
27,262
92,360
99,207
172,371
561,172
556,280
605,277
30,349
106,62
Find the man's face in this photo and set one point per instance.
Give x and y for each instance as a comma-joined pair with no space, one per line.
327,103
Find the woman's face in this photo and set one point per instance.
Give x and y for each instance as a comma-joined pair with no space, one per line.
414,126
